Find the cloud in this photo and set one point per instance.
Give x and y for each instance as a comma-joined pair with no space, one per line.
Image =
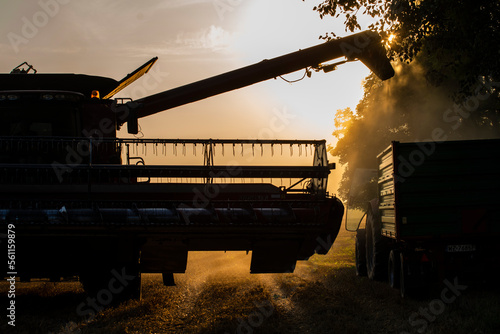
213,39
202,43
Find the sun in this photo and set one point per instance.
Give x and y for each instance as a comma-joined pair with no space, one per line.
390,40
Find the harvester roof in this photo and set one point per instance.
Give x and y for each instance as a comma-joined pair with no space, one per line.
80,83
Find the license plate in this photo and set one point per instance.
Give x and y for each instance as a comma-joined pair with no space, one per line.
460,248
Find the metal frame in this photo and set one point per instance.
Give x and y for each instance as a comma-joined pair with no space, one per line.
90,172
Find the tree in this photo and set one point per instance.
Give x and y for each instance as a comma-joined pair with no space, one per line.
446,85
459,38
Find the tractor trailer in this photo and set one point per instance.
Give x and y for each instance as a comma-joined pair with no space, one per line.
436,215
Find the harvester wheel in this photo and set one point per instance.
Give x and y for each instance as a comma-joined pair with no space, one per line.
112,285
377,251
360,252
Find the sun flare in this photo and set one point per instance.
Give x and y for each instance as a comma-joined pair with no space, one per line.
391,39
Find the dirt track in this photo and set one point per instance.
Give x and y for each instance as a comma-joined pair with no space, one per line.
217,295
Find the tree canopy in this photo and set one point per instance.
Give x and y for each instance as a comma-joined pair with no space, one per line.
458,37
446,87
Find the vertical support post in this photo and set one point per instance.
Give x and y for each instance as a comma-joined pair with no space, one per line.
208,159
321,160
128,153
90,151
89,170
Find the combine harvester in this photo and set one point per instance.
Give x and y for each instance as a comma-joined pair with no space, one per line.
78,201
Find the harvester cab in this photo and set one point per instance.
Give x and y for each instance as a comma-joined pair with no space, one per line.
82,205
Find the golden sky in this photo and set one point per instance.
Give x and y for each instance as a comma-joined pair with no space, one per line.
193,39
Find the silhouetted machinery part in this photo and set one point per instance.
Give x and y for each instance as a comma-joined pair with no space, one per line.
364,46
85,203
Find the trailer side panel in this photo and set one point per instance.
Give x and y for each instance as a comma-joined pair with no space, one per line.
434,190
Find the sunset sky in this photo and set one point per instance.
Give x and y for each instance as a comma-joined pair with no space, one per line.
193,39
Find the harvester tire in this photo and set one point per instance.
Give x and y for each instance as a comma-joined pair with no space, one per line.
360,252
377,251
113,285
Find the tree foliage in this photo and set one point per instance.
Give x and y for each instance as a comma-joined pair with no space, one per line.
446,85
458,37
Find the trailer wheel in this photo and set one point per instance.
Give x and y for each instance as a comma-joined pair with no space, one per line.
394,268
376,247
360,252
406,277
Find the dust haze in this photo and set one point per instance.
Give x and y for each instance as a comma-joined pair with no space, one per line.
415,108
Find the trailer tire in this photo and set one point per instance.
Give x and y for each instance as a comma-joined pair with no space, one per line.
360,252
377,251
407,277
394,268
